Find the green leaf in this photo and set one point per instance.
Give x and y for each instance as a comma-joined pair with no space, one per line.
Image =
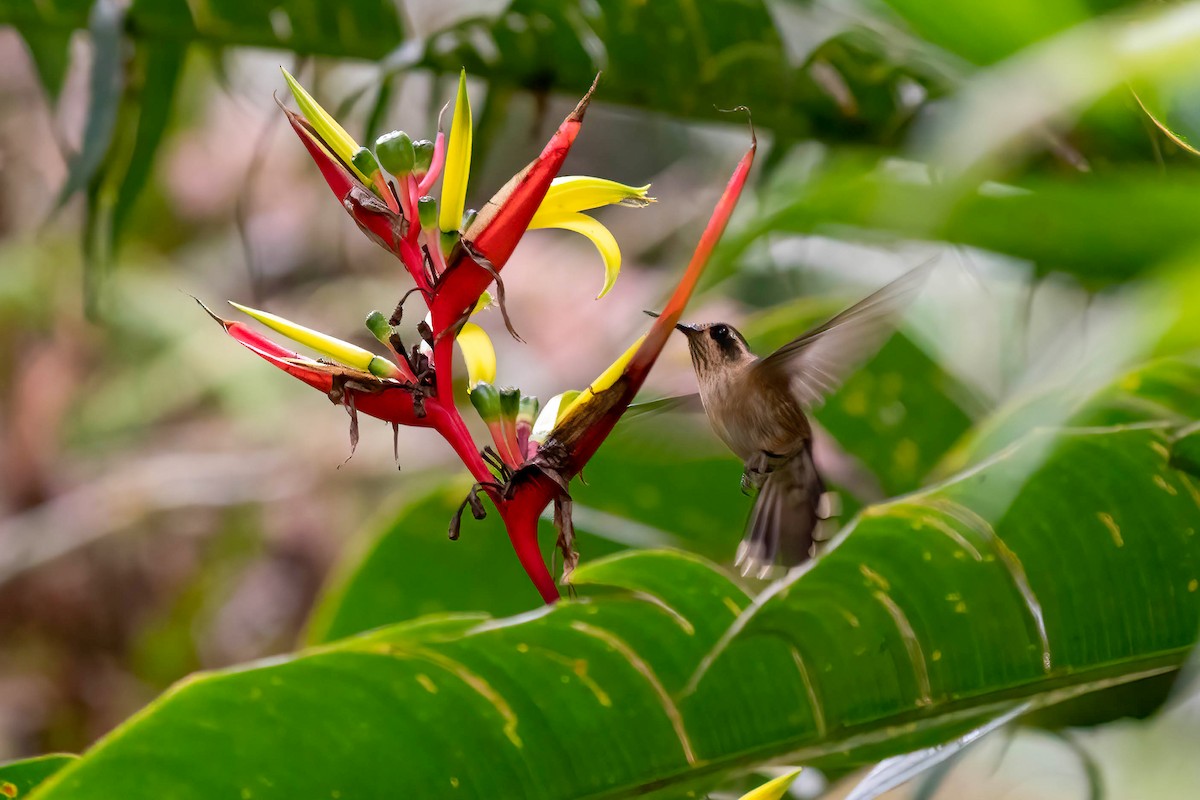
1164,391
985,31
144,111
51,55
19,778
157,72
1058,567
1102,228
405,566
107,78
1061,569
1185,451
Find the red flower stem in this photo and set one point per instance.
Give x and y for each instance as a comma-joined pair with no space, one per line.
520,514
443,361
449,423
435,166
410,186
406,206
439,258
414,262
520,517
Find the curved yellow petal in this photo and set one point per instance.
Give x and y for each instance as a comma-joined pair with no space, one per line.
581,192
478,354
605,242
458,162
341,143
772,790
551,414
349,354
606,379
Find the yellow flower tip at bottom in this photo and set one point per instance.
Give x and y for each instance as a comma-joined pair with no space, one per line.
349,354
774,789
606,379
599,235
478,353
341,143
458,162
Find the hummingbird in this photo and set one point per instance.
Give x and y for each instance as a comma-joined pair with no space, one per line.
759,408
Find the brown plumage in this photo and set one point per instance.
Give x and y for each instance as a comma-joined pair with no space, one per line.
758,407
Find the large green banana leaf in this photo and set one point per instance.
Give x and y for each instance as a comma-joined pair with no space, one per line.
1065,563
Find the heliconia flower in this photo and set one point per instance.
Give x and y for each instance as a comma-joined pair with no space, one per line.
569,196
452,261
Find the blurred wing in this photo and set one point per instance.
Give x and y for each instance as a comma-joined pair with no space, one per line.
684,402
817,362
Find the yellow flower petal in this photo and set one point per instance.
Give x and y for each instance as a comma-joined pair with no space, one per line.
458,162
478,354
606,379
605,242
772,790
581,192
341,143
349,354
551,414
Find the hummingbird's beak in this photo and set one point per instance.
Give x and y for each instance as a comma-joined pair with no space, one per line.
681,327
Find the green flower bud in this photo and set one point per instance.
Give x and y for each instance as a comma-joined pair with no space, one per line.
486,400
427,212
379,326
395,151
510,402
422,156
468,218
528,410
364,162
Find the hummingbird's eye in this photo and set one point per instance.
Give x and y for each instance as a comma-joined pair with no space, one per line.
719,332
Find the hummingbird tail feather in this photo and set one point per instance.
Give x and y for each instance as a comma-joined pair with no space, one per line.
783,523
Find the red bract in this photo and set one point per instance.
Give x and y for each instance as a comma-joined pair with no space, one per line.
527,470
